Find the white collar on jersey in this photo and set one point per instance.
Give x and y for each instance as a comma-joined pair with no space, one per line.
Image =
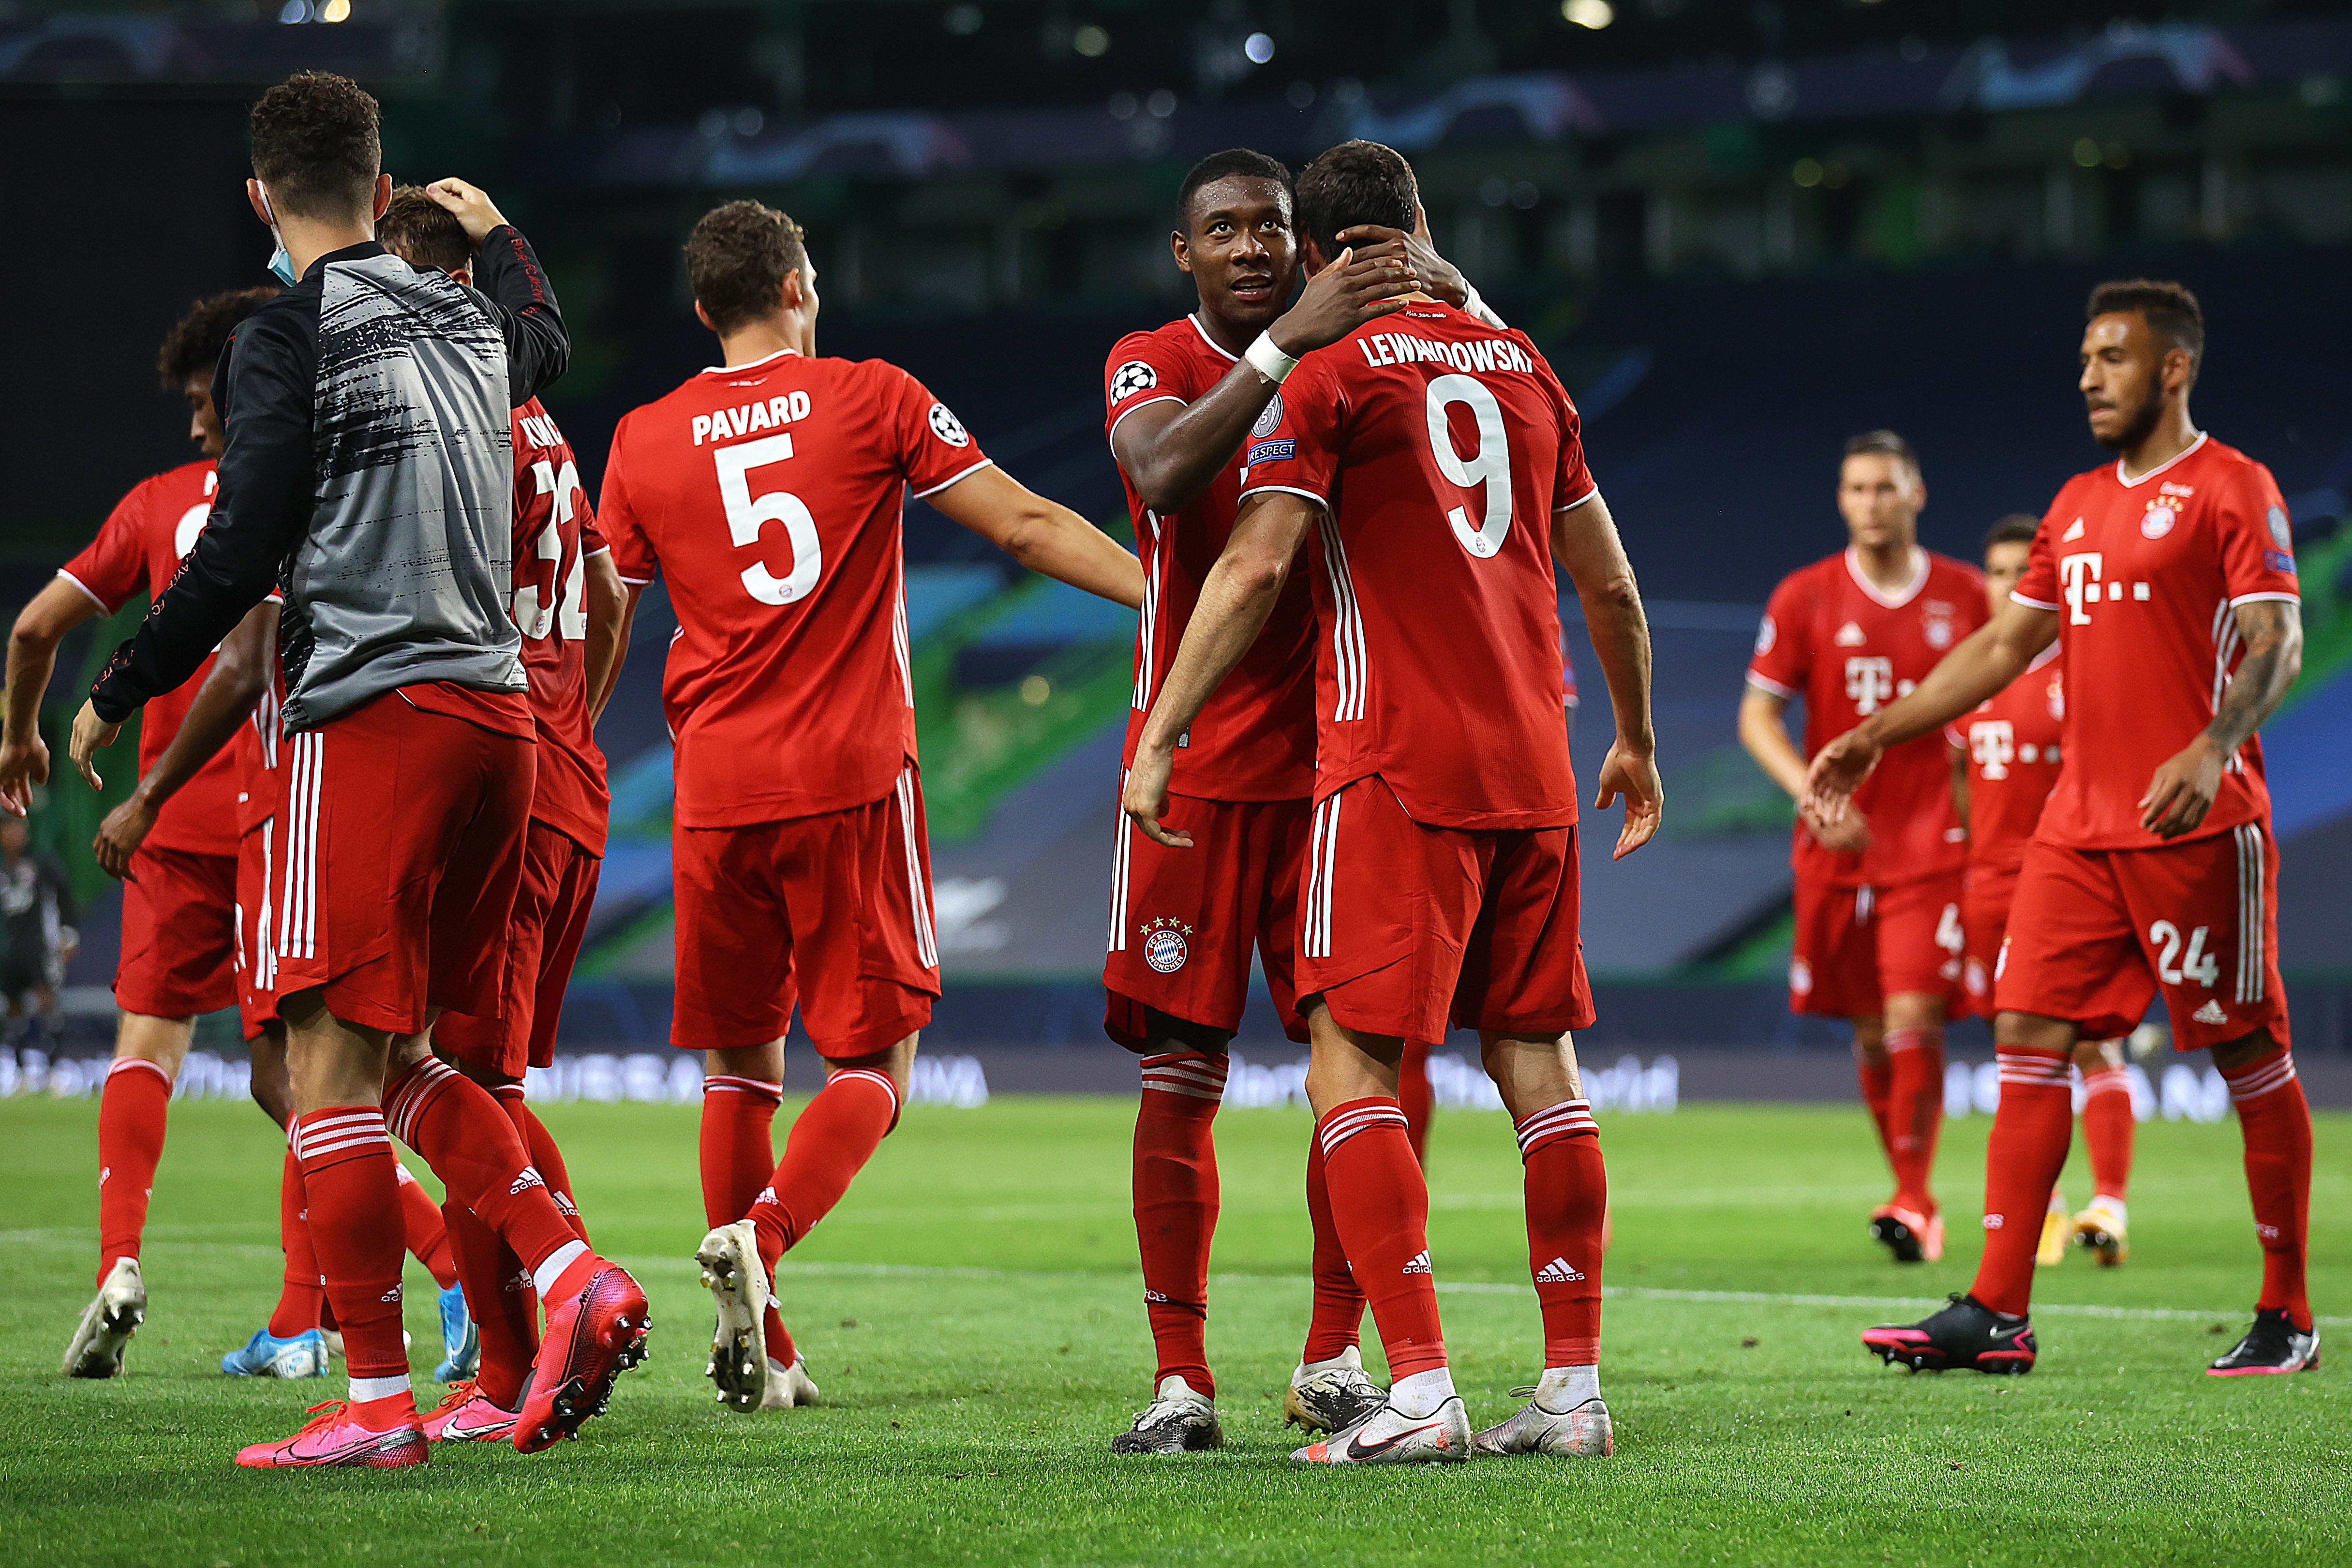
2127,482
1230,358
749,365
1894,601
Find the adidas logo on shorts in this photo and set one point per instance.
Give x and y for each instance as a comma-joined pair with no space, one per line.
1559,1271
529,1178
2210,1014
1420,1264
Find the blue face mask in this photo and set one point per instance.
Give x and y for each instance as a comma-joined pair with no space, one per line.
281,265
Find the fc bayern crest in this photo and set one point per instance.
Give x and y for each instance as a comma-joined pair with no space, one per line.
947,427
1939,634
1130,378
2157,521
1164,950
2282,534
1270,421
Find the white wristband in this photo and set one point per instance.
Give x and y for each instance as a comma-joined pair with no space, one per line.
1269,361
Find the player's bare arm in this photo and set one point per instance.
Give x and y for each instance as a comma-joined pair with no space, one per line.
240,674
1585,542
1764,732
1043,536
2182,790
1173,451
41,626
611,605
1237,597
1987,660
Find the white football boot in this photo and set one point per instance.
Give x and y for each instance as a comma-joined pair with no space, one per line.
789,1387
107,1324
1330,1395
737,1282
1388,1436
1177,1421
1583,1430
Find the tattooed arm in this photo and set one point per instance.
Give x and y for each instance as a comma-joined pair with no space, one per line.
2182,790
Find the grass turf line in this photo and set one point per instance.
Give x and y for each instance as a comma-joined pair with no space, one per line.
986,1260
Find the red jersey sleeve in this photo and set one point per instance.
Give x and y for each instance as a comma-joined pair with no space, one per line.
2039,586
633,553
2250,525
1572,483
592,538
1784,656
113,566
1295,445
1141,370
934,448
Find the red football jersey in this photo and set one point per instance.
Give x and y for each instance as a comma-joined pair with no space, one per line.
137,550
1438,448
259,786
2142,574
554,534
1255,739
2014,745
1847,649
771,497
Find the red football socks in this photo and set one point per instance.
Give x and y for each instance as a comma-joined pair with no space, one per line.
461,1132
2031,1132
1915,1111
1339,1313
545,1157
422,1226
500,1296
1176,1206
1566,1196
131,1112
2275,1120
1414,1096
1380,1204
834,1136
2108,1130
298,1299
1877,1076
354,1203
739,1155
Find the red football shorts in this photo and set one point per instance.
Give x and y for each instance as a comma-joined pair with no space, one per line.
179,934
550,917
257,893
1405,927
1984,915
836,907
398,853
2096,933
1182,921
1857,946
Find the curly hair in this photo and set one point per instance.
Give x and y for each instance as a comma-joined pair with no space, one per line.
194,344
422,232
736,260
1356,181
315,145
2170,311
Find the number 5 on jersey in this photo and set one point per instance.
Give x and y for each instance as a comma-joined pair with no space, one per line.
748,513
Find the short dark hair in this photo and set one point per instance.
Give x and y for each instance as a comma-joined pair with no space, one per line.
422,232
315,145
1356,181
2016,528
1883,444
2170,311
193,347
1233,161
736,260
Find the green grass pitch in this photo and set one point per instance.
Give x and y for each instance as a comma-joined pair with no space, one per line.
973,1315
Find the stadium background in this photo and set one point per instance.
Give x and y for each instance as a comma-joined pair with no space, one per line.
1743,229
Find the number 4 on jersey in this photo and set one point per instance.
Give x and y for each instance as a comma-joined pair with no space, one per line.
2176,966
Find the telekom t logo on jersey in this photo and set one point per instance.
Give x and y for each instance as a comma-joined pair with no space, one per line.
1993,743
1870,682
2081,575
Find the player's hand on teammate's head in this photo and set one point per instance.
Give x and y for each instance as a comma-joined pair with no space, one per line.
23,764
90,732
1145,800
121,834
1635,776
1438,276
476,213
2182,790
1362,284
